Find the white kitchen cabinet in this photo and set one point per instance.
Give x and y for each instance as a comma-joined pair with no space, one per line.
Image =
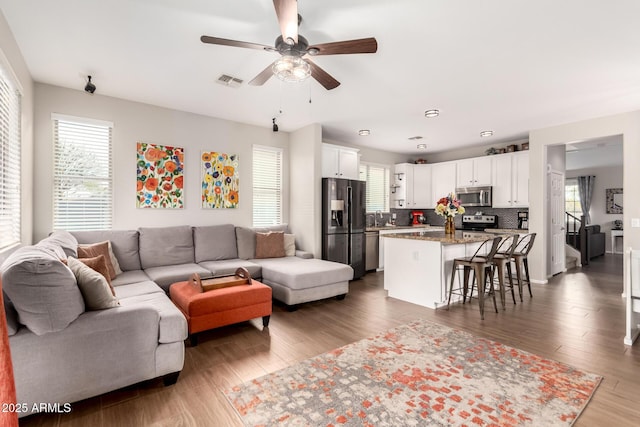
340,162
511,180
411,187
474,172
443,180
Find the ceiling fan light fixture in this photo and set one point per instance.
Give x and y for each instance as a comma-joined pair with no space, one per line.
290,68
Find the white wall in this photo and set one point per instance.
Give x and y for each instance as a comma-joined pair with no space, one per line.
306,188
11,58
606,177
136,122
627,125
372,155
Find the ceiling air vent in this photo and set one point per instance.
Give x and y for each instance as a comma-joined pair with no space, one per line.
229,81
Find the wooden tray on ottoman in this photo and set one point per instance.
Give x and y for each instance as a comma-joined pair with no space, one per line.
241,277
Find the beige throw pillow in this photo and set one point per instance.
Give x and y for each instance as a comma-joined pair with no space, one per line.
290,245
270,245
95,249
93,286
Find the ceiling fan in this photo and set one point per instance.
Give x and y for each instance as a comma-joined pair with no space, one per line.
294,65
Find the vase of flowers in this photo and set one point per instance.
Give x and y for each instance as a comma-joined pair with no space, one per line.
449,207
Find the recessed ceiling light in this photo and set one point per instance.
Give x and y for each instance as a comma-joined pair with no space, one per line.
364,132
432,113
413,138
486,133
421,146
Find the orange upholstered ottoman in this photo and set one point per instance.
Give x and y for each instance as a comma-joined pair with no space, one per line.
221,307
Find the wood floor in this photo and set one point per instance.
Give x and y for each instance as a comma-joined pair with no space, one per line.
577,318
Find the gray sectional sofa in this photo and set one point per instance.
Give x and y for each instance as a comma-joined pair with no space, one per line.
68,354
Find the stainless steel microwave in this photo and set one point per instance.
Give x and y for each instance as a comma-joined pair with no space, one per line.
474,196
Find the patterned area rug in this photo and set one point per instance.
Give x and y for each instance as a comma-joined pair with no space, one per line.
421,373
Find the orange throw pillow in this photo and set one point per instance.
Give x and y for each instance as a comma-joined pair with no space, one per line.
92,251
99,264
270,245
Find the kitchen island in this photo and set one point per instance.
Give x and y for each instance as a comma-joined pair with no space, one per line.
418,265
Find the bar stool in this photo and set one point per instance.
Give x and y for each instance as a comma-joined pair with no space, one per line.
520,258
481,262
502,259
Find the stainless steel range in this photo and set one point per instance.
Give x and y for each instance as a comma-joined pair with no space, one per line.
479,222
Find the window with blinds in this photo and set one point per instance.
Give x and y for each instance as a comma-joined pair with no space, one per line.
10,137
377,178
267,186
82,174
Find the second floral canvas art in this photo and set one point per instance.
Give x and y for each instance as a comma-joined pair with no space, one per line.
219,180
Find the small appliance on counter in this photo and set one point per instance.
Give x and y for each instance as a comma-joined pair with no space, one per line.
418,217
523,220
479,222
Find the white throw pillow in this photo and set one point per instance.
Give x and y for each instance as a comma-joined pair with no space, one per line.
93,286
290,245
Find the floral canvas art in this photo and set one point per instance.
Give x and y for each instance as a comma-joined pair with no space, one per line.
219,180
159,176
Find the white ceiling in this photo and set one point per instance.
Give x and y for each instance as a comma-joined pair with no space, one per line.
508,66
595,153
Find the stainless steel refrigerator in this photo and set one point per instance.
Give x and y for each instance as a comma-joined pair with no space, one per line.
343,222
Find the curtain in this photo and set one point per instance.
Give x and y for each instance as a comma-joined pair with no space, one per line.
585,188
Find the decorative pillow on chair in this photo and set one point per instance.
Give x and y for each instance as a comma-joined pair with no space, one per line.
93,286
99,264
270,245
96,249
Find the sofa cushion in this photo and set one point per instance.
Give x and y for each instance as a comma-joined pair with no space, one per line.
95,250
246,239
166,275
173,325
128,277
162,246
298,273
139,288
215,242
96,292
270,245
226,267
11,315
65,240
42,289
123,242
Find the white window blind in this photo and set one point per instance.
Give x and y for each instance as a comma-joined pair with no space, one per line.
267,186
10,200
377,177
82,174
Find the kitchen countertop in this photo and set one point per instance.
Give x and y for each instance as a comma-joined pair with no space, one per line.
439,236
395,227
507,230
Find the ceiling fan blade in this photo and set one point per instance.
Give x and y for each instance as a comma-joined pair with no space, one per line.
368,45
262,78
235,43
287,12
323,77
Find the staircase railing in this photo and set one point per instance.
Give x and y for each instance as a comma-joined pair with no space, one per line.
578,235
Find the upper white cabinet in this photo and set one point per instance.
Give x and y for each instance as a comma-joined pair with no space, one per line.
511,180
443,180
340,162
411,186
474,172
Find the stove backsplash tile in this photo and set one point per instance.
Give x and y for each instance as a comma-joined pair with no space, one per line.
507,218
